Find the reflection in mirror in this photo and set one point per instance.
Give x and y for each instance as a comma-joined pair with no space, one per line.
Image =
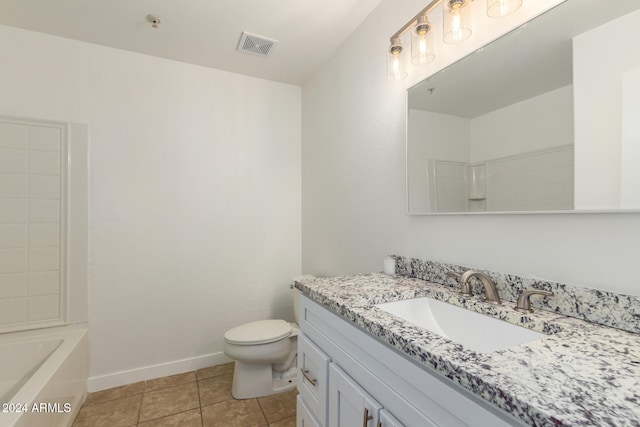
542,119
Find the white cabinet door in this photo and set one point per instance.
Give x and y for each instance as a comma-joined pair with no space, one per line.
313,376
388,420
416,396
304,418
350,405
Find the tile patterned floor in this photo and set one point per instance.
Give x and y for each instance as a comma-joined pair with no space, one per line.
199,398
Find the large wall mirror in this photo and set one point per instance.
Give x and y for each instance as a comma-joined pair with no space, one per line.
546,118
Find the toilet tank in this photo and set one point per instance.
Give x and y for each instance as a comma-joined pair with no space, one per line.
295,294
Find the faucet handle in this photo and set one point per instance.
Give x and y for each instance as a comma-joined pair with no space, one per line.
524,304
465,288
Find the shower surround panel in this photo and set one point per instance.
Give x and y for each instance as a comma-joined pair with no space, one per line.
33,164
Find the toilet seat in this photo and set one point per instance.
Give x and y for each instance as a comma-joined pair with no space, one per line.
260,332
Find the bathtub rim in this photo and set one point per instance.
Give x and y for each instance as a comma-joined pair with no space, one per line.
71,336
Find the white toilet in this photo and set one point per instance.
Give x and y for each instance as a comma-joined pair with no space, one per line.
265,353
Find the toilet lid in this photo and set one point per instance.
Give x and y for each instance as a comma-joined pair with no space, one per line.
260,332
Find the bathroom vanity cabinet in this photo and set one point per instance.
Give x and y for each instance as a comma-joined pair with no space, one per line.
347,378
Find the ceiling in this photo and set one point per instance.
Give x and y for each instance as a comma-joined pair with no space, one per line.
527,62
203,32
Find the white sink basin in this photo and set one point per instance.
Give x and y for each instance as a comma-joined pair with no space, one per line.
472,330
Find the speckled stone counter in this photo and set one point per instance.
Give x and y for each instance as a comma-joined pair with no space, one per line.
581,374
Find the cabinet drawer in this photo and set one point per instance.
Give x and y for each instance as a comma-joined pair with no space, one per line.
304,418
313,376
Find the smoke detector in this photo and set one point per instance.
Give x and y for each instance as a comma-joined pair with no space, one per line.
154,20
255,45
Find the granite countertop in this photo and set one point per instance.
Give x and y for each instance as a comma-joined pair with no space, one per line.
581,374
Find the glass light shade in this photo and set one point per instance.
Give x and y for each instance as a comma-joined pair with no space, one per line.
456,21
396,61
501,8
422,43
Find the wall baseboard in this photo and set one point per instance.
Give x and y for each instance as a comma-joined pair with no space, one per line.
116,379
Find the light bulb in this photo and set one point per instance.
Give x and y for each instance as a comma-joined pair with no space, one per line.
456,19
502,8
395,61
423,47
421,42
456,25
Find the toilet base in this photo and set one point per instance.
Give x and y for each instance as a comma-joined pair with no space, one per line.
252,380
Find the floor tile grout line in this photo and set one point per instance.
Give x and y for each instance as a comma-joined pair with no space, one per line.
168,387
262,410
179,412
139,409
144,390
172,385
142,396
199,401
212,376
166,416
84,405
273,395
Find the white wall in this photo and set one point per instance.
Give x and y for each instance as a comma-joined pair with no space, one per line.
540,181
195,195
537,124
441,136
450,189
630,146
541,122
525,169
432,136
601,57
354,203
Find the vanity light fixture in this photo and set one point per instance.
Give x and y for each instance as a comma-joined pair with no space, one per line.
502,8
423,30
456,21
422,42
456,28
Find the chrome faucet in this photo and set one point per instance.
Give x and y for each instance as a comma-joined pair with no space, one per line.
490,290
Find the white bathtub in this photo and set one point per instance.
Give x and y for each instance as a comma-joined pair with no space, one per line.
43,376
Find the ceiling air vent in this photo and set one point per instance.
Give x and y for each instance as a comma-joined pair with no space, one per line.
256,45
